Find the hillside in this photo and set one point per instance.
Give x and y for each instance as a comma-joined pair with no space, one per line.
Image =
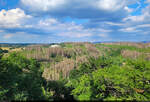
75,71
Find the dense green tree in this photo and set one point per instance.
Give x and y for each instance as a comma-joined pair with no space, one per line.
119,80
20,79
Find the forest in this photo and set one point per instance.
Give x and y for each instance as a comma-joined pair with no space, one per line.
80,71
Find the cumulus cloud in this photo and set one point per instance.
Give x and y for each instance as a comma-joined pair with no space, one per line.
110,5
54,27
128,9
69,29
43,5
48,5
13,18
144,17
42,20
140,18
132,24
89,9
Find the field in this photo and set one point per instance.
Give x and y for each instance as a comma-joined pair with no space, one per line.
10,49
76,71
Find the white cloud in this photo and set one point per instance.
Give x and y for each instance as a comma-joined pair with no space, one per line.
78,8
139,23
147,1
1,31
139,18
103,35
13,18
144,17
48,22
46,5
43,5
128,9
114,24
111,5
146,32
104,30
104,19
7,36
19,37
75,34
129,29
69,29
143,26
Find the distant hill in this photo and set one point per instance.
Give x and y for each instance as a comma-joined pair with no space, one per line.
120,41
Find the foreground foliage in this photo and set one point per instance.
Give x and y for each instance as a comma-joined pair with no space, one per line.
20,79
125,80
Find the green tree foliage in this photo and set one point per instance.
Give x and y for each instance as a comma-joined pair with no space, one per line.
3,51
91,65
119,79
59,90
20,79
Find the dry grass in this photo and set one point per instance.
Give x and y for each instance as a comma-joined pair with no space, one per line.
11,50
130,54
92,50
5,48
16,49
147,56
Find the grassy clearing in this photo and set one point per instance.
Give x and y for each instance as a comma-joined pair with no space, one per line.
5,48
133,48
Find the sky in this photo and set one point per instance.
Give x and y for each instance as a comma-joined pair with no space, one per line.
53,21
